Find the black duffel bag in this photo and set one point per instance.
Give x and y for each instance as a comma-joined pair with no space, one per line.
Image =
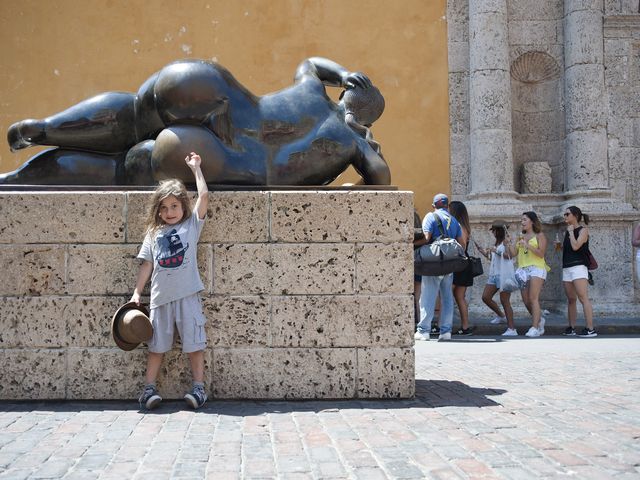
442,256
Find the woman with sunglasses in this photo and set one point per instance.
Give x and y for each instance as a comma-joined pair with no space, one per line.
575,276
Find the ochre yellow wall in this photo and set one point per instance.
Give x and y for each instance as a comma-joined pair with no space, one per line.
55,54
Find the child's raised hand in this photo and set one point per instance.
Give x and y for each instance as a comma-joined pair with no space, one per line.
193,160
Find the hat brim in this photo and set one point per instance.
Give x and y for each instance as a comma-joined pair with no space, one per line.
499,224
122,344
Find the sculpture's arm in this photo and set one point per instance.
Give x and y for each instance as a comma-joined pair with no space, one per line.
371,165
330,73
362,130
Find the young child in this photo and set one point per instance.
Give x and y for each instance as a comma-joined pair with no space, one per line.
499,253
168,255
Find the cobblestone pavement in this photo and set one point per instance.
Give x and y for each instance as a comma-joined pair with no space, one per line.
519,408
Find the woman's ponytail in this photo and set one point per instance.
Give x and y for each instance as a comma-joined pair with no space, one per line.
576,212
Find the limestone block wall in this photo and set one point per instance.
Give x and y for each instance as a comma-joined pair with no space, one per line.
459,128
536,55
308,294
622,79
615,291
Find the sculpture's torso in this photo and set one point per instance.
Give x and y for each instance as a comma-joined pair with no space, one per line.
293,136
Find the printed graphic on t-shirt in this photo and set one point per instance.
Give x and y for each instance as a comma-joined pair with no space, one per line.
172,251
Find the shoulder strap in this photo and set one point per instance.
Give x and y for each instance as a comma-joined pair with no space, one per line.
441,226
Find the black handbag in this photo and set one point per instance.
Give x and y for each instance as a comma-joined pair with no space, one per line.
472,269
475,266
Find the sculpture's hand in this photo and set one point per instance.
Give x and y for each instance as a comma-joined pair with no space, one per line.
369,138
356,79
193,160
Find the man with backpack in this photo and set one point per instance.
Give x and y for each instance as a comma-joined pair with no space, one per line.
436,224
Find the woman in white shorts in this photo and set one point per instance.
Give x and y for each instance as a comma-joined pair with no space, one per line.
499,257
575,276
532,268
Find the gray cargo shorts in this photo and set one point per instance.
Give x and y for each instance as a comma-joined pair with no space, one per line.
184,313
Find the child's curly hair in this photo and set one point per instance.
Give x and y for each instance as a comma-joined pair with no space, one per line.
165,189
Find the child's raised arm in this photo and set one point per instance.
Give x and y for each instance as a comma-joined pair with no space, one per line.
193,161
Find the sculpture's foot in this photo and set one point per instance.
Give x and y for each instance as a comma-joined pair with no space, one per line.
58,166
25,133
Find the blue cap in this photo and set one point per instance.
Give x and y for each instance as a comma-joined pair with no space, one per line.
440,201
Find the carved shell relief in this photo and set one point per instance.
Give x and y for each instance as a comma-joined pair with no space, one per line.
535,67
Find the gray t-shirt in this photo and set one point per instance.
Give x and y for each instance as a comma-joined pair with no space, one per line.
173,253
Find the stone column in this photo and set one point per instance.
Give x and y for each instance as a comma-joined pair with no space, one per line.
491,159
584,91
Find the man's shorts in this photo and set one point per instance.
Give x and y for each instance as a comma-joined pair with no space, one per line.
570,274
186,314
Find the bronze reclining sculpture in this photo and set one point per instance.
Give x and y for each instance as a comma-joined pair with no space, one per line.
296,136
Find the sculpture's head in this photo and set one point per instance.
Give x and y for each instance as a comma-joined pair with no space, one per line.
365,104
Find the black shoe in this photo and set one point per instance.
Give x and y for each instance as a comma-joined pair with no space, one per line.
149,398
464,331
196,398
569,332
588,333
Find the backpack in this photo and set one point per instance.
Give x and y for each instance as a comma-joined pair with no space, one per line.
442,256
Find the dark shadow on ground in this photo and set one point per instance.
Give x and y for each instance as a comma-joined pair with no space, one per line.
429,394
444,393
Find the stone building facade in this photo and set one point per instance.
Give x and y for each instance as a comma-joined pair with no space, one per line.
544,104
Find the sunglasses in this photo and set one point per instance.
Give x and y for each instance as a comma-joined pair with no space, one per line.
566,214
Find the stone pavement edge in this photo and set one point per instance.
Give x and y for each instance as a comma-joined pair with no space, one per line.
485,408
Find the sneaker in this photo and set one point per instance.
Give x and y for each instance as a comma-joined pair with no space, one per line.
464,331
533,332
196,398
541,325
422,336
510,332
444,337
588,333
569,332
149,398
498,320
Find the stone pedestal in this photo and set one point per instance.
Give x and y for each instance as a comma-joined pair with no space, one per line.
308,294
